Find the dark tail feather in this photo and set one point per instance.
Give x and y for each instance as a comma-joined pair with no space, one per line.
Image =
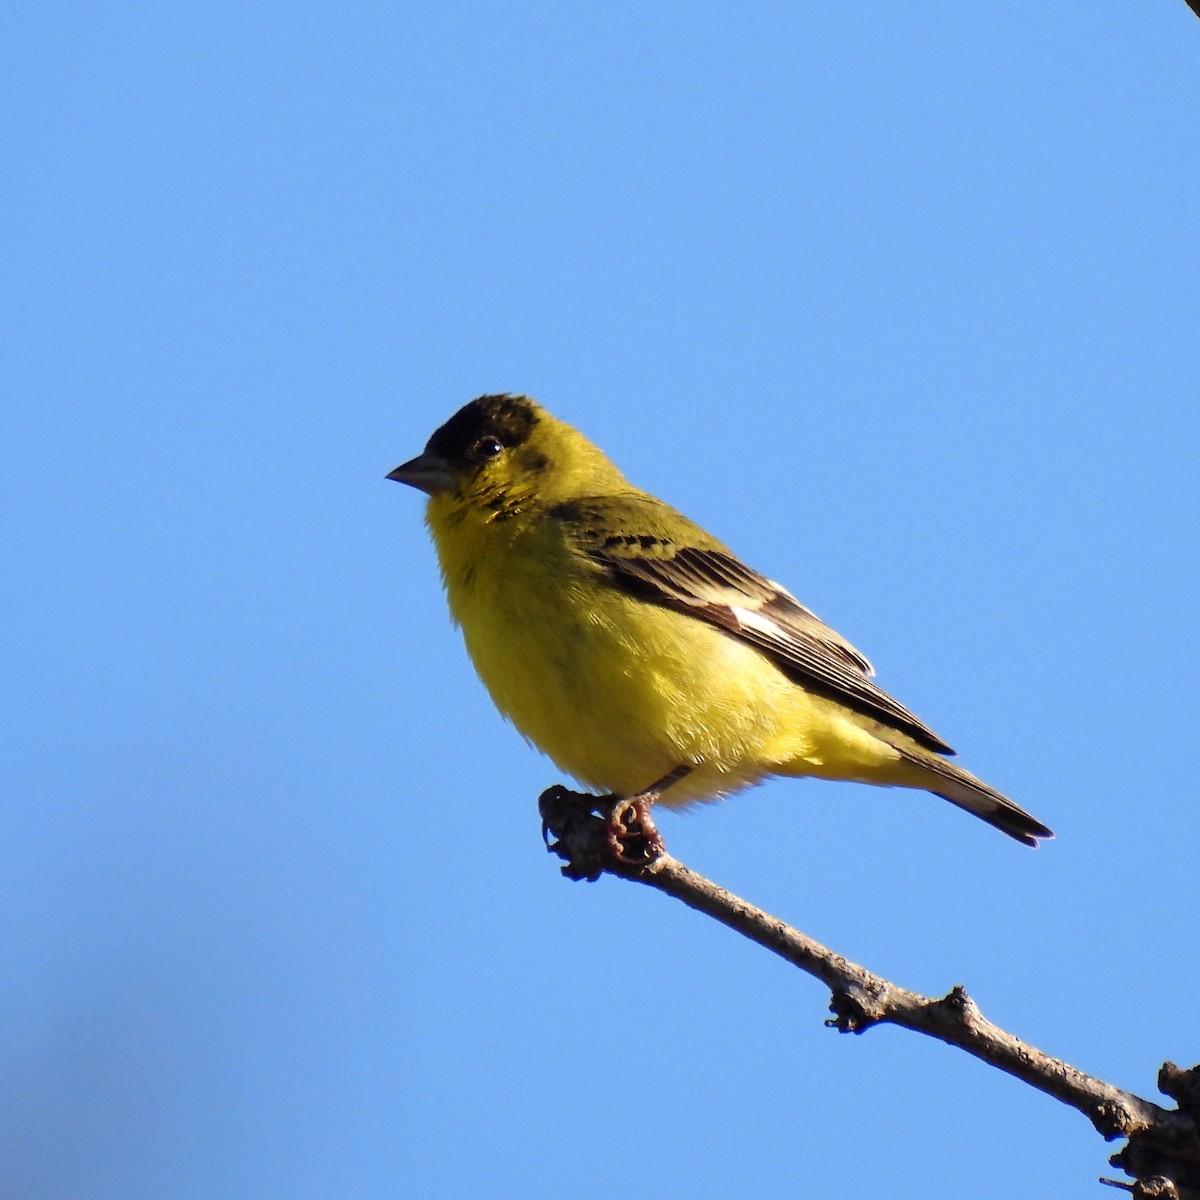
961,788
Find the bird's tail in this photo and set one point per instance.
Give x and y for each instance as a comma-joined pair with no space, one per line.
963,789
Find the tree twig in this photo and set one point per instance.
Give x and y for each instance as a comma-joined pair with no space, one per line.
1163,1150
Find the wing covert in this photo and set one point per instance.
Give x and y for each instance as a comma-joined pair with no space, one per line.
709,583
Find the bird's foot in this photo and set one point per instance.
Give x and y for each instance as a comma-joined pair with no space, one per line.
593,833
630,834
633,838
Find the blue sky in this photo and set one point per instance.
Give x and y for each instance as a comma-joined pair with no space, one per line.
898,302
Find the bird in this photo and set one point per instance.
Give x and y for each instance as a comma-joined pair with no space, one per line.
637,651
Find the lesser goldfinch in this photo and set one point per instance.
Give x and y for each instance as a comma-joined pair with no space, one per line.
634,648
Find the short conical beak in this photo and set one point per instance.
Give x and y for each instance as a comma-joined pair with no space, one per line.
427,472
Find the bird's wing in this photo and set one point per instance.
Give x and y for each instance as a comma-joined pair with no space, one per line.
659,556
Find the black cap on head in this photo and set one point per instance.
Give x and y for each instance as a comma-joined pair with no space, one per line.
509,419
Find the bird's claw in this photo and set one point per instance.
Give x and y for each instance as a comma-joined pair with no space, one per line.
595,832
631,835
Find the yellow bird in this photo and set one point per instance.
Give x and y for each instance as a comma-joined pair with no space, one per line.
639,652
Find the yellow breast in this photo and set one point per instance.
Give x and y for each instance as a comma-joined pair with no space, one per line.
616,691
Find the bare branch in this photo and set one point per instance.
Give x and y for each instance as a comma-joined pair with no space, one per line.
1163,1151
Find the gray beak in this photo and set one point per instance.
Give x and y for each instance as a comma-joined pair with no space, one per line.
429,473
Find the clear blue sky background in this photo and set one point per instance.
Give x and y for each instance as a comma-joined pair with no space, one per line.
898,300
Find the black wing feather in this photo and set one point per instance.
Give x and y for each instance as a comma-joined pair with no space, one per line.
714,586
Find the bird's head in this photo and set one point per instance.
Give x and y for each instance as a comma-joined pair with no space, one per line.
501,453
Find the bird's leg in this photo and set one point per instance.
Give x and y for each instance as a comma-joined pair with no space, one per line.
632,836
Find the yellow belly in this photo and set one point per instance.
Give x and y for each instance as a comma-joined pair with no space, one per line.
618,692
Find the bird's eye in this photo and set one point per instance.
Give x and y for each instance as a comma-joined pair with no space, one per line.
486,447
